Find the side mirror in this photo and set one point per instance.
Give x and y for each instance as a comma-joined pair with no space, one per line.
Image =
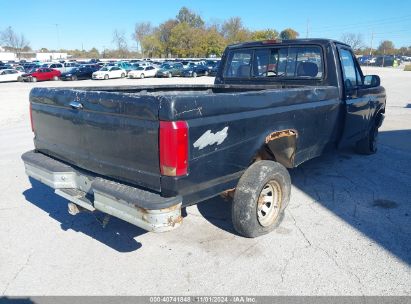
372,81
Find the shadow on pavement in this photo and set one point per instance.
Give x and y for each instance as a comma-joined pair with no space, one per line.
118,234
370,193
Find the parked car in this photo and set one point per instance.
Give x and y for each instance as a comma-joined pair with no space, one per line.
29,66
214,70
55,66
143,153
170,70
10,75
69,66
386,61
109,72
143,72
78,73
41,74
195,70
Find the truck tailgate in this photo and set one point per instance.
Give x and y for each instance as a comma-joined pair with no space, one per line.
108,133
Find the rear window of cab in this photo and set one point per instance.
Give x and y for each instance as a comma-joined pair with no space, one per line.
293,62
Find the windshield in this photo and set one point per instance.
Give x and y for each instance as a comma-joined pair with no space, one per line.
165,66
140,69
104,69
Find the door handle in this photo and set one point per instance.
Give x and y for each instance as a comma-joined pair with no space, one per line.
76,105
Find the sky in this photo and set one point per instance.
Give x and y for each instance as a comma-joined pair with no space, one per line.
90,23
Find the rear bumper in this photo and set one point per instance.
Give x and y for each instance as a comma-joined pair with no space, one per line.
142,208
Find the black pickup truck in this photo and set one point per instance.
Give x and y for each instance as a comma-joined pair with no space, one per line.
143,153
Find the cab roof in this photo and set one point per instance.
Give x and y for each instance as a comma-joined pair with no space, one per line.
320,41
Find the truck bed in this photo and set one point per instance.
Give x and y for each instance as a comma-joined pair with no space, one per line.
115,133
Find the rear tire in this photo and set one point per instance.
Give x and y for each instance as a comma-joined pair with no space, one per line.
170,75
33,79
194,74
106,77
55,78
206,73
123,75
19,79
74,78
368,145
142,76
262,194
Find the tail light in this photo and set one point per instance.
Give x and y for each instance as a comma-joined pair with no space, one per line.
31,118
173,148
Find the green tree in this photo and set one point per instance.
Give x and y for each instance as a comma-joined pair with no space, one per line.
288,34
264,34
213,43
386,47
184,40
186,15
152,45
164,33
141,30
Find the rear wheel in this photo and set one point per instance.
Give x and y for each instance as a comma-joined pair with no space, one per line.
260,198
142,76
170,75
123,75
74,77
194,74
55,78
33,79
106,77
206,73
19,79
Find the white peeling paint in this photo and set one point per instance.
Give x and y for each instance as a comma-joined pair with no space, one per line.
209,138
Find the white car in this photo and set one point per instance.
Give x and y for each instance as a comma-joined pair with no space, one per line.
142,72
109,72
55,66
10,75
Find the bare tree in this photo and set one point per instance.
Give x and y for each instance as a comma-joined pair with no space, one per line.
119,39
142,30
354,40
12,40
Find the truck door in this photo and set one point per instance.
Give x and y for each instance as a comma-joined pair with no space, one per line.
356,99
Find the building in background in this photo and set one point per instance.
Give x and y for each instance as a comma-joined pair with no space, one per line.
49,56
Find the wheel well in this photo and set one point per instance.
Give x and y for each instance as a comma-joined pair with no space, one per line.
279,146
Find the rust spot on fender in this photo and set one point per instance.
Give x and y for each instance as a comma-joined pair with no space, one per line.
279,134
283,145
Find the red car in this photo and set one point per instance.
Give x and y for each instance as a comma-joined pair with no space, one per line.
41,74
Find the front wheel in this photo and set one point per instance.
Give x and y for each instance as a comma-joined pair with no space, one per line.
170,75
106,77
260,198
123,75
19,79
206,73
194,74
55,78
142,76
33,79
368,145
74,77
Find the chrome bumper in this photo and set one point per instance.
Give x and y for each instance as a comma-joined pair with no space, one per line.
142,208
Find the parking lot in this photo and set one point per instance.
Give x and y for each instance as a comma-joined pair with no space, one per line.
346,231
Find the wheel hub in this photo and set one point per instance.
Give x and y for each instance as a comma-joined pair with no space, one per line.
269,203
